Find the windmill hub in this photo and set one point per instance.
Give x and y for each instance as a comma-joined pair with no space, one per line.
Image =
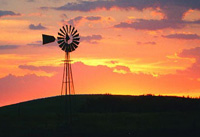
67,38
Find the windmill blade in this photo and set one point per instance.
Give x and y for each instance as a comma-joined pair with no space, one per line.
60,34
74,45
69,48
60,38
76,42
72,30
62,31
72,48
77,35
76,39
62,44
74,33
64,47
60,41
47,39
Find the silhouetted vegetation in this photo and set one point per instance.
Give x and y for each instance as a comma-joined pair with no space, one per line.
140,104
102,116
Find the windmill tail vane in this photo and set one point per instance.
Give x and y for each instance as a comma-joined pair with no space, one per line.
68,40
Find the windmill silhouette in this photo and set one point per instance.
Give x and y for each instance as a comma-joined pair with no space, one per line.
68,40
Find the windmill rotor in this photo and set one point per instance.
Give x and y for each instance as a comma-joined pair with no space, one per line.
67,39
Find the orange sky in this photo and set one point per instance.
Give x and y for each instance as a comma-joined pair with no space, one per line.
127,47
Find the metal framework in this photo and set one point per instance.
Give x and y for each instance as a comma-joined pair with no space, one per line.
67,81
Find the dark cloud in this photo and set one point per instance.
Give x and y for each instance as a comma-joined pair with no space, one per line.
45,8
142,24
91,18
91,39
182,36
173,10
173,16
78,19
36,27
86,6
196,22
8,13
75,20
30,0
146,43
5,47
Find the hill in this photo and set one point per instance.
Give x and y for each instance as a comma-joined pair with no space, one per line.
102,115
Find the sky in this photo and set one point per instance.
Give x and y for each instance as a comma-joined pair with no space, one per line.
128,47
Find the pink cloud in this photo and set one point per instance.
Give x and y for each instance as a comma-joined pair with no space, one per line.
93,80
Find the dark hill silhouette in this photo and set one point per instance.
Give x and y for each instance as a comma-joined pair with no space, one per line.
102,115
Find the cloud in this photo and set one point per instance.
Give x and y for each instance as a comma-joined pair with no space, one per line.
191,53
37,14
20,88
35,43
47,69
91,80
30,0
142,24
5,47
182,36
8,13
86,6
91,39
36,27
75,20
121,69
173,11
194,70
92,18
79,19
146,43
63,16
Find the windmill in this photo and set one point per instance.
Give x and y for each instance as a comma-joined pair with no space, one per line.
68,40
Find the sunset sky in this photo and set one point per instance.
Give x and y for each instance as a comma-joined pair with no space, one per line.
129,47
